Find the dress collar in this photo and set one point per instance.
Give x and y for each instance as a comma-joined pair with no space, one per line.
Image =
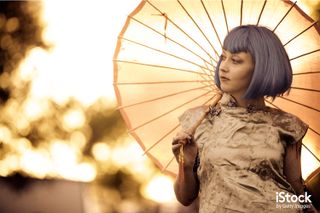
230,102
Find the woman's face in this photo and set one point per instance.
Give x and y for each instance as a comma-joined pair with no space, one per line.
235,72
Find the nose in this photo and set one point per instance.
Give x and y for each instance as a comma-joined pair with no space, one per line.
224,66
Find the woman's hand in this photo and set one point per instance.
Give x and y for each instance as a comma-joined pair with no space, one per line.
190,148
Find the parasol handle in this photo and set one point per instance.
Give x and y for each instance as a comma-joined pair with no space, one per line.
193,128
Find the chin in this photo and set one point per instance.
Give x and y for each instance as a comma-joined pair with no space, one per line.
225,89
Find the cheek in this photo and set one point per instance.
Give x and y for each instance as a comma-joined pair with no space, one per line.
241,79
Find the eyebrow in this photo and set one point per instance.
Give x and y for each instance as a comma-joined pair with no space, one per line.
232,54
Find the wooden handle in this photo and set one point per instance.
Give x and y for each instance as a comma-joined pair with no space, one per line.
193,128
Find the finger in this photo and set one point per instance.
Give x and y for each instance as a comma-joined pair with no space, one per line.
183,141
176,147
183,134
174,142
182,137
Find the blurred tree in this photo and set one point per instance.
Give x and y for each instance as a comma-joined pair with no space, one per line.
21,31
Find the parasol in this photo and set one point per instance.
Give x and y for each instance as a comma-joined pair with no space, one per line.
166,55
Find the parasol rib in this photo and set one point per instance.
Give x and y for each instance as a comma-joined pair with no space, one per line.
215,30
264,4
174,24
166,53
314,131
165,67
211,76
314,23
308,128
160,82
168,38
163,114
241,11
168,164
196,24
162,97
306,89
309,107
285,16
161,139
225,16
311,153
203,75
306,73
291,59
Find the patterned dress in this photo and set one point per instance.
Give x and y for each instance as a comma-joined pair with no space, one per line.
241,153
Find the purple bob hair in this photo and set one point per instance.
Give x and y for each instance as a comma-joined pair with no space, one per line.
272,75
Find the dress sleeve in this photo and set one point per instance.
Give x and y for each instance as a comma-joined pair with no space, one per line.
291,128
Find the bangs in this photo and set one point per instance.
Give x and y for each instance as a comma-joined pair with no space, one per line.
237,41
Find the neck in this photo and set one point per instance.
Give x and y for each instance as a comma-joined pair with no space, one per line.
246,102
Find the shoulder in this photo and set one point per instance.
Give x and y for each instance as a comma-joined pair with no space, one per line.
191,116
290,126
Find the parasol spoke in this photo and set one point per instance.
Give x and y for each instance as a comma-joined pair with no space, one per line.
296,36
225,16
309,107
175,108
170,39
161,139
165,96
291,59
214,28
196,24
165,67
241,11
285,15
314,131
264,4
168,164
212,72
311,151
166,53
202,75
161,82
178,27
305,73
306,89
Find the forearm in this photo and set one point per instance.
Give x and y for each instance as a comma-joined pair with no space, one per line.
186,186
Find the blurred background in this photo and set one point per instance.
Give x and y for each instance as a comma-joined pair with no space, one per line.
63,145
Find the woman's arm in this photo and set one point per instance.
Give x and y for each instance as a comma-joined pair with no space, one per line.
292,166
292,170
186,186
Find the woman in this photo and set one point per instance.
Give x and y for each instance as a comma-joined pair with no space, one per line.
244,156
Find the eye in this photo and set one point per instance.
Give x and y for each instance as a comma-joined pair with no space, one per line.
236,61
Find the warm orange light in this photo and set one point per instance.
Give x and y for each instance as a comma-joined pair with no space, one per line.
101,151
308,163
159,189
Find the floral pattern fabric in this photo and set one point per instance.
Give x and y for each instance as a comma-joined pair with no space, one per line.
241,153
